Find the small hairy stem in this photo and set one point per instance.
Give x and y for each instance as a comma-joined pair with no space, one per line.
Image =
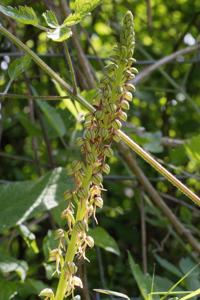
135,147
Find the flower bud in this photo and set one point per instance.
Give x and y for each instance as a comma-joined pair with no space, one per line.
106,169
79,141
98,201
122,115
67,195
80,226
90,241
70,267
133,70
97,178
116,124
108,151
130,87
124,105
82,193
47,293
128,96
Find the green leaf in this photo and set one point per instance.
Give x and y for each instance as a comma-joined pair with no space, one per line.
23,14
18,66
168,266
111,293
8,289
73,19
9,264
82,8
143,281
53,117
103,239
24,199
59,34
67,103
192,149
29,237
31,128
51,19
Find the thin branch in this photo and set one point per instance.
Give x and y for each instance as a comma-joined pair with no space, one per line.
143,233
165,60
135,147
67,55
18,96
178,226
81,55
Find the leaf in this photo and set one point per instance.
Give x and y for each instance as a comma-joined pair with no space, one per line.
53,117
103,239
59,34
8,289
82,8
51,19
111,293
24,199
73,19
168,266
193,280
191,295
67,103
23,14
18,66
143,281
192,149
31,128
9,264
29,237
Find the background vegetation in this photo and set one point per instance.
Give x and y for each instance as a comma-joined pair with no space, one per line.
37,140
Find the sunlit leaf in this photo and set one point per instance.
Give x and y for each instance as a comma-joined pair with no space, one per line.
51,19
24,199
59,34
23,14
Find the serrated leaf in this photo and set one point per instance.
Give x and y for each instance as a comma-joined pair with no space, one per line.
59,34
104,240
73,19
24,199
51,19
111,293
53,117
86,6
22,14
18,66
82,8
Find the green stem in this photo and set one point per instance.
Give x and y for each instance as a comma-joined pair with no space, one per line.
71,68
71,249
135,147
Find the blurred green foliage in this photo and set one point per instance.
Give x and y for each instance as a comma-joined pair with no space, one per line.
36,150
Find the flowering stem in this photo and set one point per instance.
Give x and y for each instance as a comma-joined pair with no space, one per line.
135,147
